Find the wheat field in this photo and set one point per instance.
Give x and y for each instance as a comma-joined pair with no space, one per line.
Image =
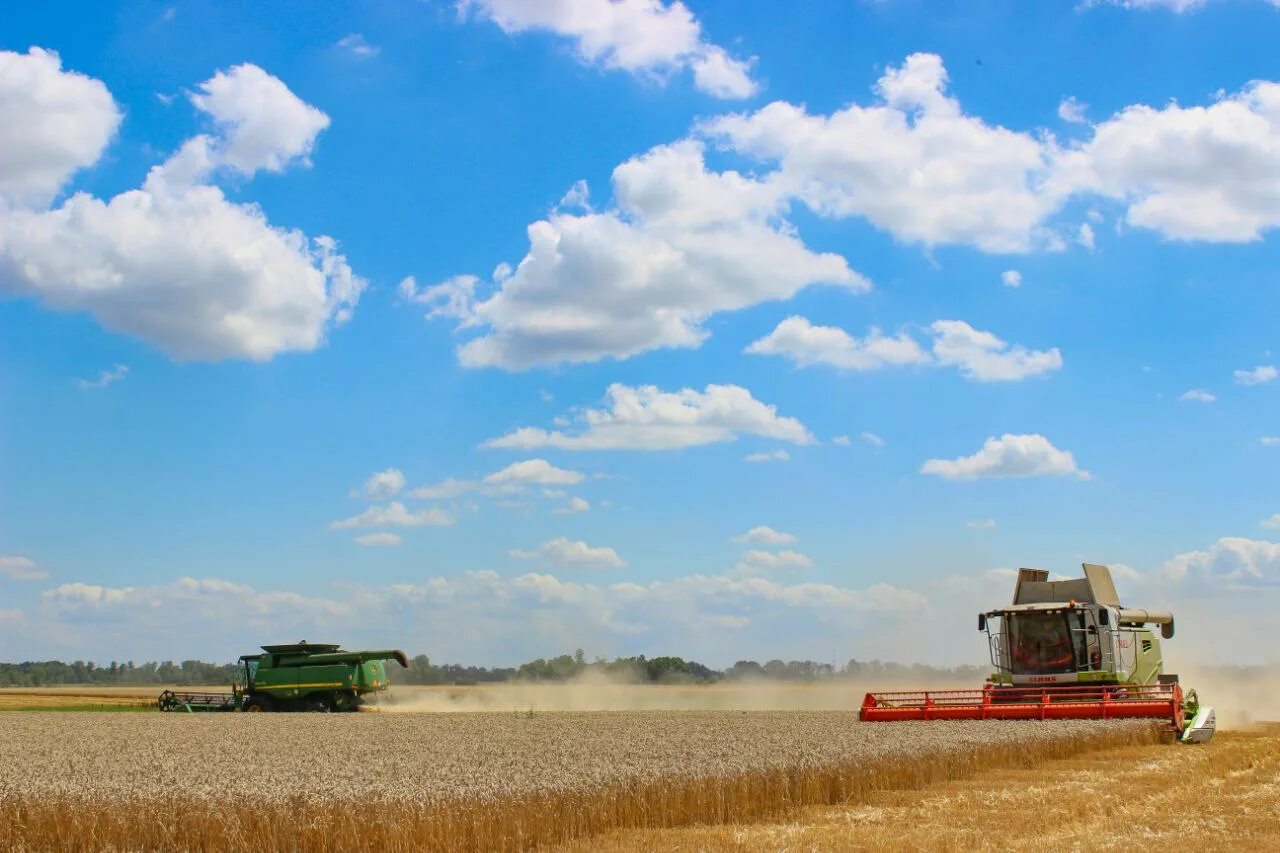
1225,796
467,781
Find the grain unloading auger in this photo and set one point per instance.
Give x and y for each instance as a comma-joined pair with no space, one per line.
1064,650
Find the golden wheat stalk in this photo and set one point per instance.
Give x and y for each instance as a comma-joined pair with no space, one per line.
476,781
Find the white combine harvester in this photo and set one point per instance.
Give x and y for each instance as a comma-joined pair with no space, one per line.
1064,650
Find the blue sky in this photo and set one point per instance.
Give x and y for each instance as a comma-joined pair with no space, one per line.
497,329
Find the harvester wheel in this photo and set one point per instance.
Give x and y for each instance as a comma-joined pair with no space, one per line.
258,704
318,706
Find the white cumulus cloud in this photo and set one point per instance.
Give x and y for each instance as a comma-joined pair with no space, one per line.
755,560
913,164
18,568
450,487
176,263
768,456
1233,563
379,540
1008,456
764,535
979,355
573,505
453,298
1071,110
261,124
384,484
985,357
648,418
534,471
567,553
684,243
516,478
648,37
358,46
1193,173
798,340
1197,395
105,378
1260,374
1175,6
396,514
52,123
206,598
479,615
1085,236
1011,278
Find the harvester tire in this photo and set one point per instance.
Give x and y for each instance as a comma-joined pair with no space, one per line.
258,704
319,706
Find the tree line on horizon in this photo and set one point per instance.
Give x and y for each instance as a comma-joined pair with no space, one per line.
664,669
674,670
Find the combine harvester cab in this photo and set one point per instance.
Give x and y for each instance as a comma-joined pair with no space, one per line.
297,677
1064,650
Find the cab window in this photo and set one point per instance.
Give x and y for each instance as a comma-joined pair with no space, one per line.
1043,643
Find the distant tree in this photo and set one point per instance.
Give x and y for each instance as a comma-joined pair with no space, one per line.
745,669
634,669
421,672
702,673
668,669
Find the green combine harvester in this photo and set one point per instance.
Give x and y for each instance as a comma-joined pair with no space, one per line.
296,677
1064,650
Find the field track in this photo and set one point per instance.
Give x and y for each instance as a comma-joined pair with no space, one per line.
470,781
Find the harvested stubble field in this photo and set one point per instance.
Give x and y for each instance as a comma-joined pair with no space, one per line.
468,781
1223,797
81,700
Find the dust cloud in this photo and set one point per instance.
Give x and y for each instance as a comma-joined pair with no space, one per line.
1240,695
595,692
